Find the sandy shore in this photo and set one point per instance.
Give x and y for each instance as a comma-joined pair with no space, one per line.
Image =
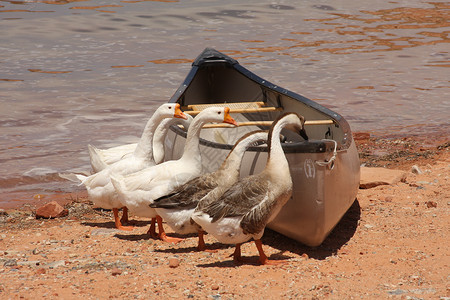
392,243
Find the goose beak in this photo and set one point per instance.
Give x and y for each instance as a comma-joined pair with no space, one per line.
303,134
178,113
228,119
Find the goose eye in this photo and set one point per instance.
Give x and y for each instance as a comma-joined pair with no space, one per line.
219,112
170,107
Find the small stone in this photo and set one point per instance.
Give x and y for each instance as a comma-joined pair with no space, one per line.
116,271
215,287
51,210
104,231
372,177
397,292
431,204
10,263
305,256
174,262
40,271
56,264
416,170
388,198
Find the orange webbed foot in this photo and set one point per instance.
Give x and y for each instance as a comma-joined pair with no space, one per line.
272,262
125,228
169,239
118,223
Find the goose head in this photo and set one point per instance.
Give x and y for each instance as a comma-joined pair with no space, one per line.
172,109
216,114
293,122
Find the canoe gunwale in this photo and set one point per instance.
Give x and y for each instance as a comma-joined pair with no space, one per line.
310,146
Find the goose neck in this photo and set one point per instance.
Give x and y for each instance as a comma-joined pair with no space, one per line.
234,159
191,148
276,157
144,148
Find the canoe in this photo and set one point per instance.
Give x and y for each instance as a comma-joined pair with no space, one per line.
325,168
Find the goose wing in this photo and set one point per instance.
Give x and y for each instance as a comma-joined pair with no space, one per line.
247,198
187,195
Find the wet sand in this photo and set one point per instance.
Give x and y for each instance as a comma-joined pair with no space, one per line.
392,243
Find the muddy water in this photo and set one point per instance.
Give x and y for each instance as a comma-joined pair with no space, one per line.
79,72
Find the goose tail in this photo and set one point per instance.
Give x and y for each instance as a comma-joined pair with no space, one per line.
96,160
118,183
73,177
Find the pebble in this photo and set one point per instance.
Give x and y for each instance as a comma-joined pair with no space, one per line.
51,210
104,231
40,271
116,271
431,204
55,264
174,262
416,170
10,263
397,292
372,177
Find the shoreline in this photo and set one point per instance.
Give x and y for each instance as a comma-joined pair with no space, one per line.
386,151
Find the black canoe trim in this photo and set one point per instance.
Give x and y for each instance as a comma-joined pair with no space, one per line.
211,56
310,146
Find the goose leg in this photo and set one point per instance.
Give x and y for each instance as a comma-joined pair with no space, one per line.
162,234
118,223
237,254
152,230
124,219
263,257
201,242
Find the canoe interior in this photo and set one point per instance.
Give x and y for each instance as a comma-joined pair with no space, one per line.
322,194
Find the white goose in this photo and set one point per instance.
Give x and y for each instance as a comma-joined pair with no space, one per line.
138,190
101,158
176,209
99,186
243,211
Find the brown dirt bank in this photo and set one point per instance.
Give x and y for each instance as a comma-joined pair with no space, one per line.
392,243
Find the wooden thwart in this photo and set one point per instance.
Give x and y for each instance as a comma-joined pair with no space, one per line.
244,107
236,107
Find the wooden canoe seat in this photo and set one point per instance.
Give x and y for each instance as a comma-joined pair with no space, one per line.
244,107
236,107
